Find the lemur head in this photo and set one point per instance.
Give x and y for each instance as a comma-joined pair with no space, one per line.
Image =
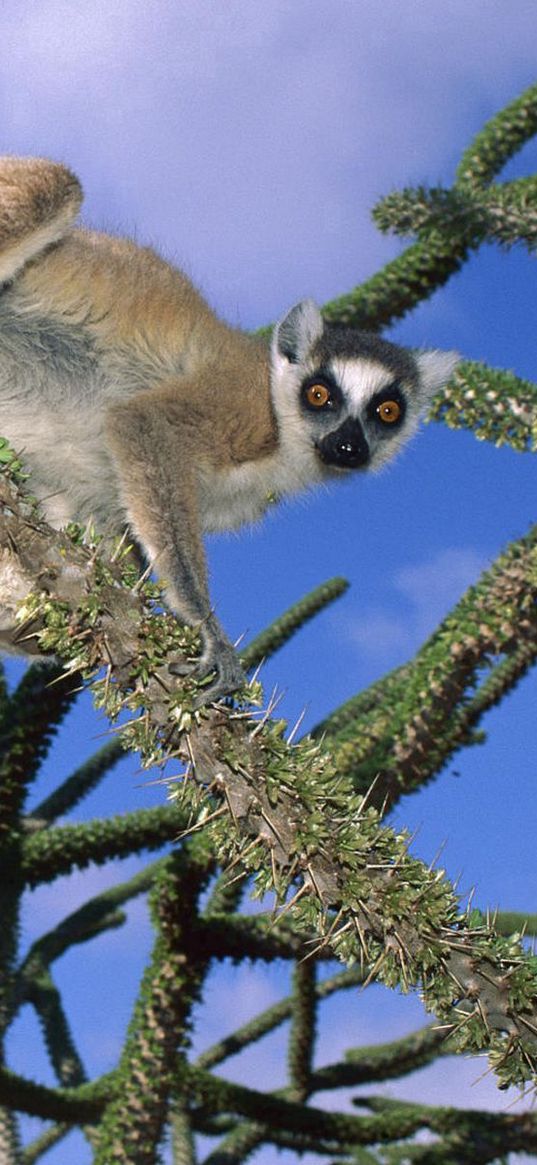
349,397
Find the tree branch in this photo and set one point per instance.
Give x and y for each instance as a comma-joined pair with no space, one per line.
282,811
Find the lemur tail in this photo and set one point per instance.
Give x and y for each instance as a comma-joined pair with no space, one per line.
39,201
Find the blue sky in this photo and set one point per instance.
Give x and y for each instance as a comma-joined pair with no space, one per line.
248,143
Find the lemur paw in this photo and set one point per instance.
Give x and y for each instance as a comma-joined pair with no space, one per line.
220,666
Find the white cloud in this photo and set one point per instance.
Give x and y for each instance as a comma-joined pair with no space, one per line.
252,141
422,595
377,632
434,585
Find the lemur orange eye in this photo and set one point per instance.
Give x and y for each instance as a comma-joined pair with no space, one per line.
317,395
389,411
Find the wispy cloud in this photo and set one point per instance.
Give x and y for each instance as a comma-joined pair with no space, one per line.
423,593
237,136
432,586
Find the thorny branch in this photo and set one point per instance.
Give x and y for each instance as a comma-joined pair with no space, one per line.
280,811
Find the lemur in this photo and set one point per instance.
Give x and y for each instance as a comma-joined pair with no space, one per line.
135,406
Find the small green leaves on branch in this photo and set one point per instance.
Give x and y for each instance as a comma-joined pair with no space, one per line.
403,283
351,880
448,239
402,731
505,214
496,406
499,140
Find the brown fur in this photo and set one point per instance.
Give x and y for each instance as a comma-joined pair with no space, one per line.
166,410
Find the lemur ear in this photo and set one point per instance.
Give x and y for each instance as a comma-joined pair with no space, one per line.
298,331
435,369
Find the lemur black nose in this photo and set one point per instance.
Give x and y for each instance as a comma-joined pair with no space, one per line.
345,447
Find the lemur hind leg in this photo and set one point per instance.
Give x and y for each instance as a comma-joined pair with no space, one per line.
39,201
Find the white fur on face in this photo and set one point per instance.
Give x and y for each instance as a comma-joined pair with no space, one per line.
360,380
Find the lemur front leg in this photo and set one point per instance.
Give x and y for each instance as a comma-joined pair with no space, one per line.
157,442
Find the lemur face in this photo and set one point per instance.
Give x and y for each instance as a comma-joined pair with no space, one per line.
354,397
